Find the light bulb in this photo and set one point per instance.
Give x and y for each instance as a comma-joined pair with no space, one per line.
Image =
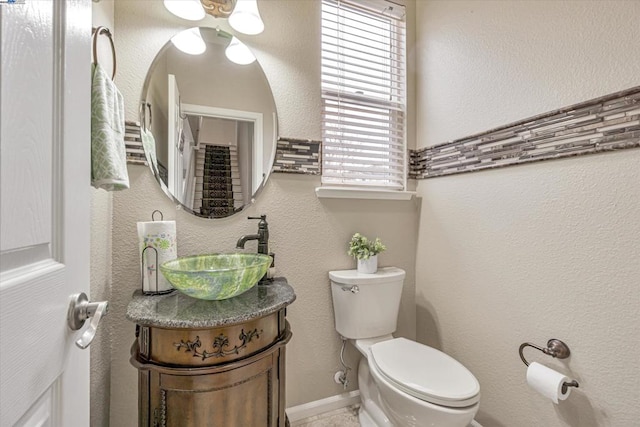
189,41
246,18
239,53
191,10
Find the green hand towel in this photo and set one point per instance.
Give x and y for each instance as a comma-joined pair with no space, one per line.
149,145
108,154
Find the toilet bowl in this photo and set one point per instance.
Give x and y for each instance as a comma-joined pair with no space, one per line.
416,385
401,382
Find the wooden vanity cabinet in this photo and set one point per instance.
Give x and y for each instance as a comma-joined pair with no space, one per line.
231,376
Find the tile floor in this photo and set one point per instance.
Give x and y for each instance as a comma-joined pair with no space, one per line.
343,417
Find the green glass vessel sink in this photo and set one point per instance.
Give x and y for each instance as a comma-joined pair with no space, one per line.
216,276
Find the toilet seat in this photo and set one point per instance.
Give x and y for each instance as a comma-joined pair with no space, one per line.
425,373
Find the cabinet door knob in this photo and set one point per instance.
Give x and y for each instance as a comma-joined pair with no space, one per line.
80,309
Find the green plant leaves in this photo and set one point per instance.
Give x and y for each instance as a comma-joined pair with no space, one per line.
361,247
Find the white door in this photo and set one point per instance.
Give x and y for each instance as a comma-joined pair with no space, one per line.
44,209
176,141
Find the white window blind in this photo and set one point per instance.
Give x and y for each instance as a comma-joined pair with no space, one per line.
363,94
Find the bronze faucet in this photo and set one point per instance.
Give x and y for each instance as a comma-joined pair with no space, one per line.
262,237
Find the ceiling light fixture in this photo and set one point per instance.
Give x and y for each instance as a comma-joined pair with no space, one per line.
243,15
239,53
218,8
190,41
246,18
191,10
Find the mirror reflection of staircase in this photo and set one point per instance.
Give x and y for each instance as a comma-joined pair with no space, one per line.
221,189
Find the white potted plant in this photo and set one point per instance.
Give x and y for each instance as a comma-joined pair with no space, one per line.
366,252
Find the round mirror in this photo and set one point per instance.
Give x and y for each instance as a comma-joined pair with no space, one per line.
209,123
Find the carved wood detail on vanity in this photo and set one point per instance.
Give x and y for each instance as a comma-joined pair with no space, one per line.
207,347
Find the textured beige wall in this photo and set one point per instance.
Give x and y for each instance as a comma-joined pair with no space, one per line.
531,252
308,235
103,14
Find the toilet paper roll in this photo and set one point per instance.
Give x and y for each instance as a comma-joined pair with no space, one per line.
160,235
547,382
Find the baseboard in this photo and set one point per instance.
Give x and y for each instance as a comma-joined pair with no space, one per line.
317,407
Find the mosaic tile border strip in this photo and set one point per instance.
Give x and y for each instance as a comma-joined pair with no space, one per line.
300,156
608,123
133,143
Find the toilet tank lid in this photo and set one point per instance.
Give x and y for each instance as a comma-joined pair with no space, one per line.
352,277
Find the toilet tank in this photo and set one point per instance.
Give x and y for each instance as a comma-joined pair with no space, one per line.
366,305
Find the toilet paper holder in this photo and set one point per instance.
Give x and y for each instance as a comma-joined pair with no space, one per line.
555,348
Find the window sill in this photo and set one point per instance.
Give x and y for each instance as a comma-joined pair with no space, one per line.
362,193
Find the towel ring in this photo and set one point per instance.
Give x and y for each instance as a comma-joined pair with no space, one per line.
97,31
145,120
147,126
182,115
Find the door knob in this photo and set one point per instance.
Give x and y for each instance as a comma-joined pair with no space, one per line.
80,309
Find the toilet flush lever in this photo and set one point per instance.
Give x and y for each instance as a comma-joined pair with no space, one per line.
353,289
80,309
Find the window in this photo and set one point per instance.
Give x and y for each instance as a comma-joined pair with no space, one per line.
363,94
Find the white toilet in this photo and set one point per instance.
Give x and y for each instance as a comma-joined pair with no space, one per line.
402,383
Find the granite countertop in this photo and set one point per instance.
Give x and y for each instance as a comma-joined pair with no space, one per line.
177,310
